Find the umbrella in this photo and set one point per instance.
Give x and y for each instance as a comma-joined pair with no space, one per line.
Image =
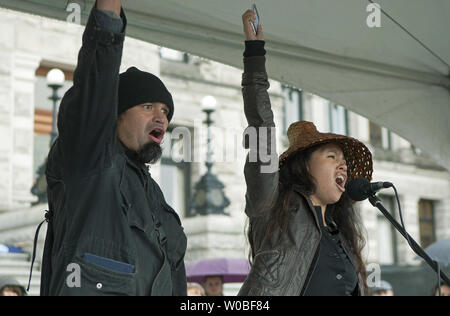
440,251
232,270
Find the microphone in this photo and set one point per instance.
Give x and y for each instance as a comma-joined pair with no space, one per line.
360,188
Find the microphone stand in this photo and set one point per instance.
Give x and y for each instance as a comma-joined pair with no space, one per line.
414,246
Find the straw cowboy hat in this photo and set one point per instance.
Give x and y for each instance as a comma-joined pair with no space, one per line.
303,135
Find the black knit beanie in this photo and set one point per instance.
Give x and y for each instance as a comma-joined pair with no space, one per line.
138,87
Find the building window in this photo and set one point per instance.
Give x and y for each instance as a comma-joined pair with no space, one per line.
173,55
293,106
338,119
386,235
426,223
176,173
380,136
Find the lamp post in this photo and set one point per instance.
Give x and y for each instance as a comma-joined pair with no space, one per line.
209,197
209,104
55,80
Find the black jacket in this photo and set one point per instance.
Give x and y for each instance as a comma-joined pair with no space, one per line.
284,269
110,231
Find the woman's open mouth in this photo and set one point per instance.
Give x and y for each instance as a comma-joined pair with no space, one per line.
340,182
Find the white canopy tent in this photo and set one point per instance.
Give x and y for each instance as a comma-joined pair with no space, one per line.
396,75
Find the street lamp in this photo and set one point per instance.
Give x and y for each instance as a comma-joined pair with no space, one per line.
55,80
209,104
209,197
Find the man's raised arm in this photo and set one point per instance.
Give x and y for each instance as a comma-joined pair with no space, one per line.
88,112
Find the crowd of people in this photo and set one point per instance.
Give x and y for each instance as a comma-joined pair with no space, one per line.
212,286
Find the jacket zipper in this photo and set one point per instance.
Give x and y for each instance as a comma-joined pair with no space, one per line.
315,259
313,264
354,266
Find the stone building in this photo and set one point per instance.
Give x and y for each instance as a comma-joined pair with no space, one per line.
31,45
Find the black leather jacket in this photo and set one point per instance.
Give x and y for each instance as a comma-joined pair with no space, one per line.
285,269
110,226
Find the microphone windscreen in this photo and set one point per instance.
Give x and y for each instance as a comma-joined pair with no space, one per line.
356,189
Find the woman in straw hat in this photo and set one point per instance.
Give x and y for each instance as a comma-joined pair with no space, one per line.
305,236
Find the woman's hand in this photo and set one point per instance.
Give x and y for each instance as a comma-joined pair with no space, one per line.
247,18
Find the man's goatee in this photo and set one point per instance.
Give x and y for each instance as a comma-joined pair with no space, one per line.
150,153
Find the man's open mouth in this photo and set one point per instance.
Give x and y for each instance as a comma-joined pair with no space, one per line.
156,134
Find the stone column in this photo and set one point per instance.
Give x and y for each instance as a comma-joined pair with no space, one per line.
369,218
6,133
410,211
17,125
442,218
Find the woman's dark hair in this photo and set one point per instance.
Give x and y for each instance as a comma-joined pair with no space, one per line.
294,174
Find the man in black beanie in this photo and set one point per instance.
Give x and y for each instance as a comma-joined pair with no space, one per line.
110,230
145,109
